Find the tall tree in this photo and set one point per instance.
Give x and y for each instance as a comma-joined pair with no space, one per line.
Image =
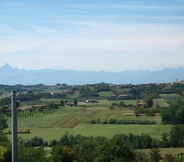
3,123
75,102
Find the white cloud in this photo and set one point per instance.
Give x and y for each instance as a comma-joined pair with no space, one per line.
78,38
97,47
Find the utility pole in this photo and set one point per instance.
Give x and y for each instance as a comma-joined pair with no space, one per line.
14,127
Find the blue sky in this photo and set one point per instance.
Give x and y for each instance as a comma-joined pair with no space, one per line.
116,35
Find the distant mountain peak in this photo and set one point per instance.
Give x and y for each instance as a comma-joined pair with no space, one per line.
6,66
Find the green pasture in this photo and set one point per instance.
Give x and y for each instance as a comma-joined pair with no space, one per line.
109,102
53,89
172,97
105,93
77,120
31,103
48,100
160,102
107,130
69,117
132,102
118,90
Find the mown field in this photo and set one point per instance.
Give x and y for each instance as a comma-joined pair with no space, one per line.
76,120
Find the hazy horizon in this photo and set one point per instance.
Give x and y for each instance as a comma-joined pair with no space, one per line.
92,36
7,64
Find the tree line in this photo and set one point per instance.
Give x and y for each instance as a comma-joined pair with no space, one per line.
78,148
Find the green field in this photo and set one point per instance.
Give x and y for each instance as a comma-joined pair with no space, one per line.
172,97
164,151
77,120
95,130
160,102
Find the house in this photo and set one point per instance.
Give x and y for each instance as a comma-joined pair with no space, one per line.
69,104
39,106
142,104
113,97
7,110
91,101
58,103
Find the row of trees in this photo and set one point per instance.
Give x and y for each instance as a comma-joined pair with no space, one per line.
119,121
148,111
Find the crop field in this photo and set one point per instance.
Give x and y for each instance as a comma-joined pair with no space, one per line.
93,119
172,97
160,102
76,120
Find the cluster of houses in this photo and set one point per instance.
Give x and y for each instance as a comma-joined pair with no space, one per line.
47,93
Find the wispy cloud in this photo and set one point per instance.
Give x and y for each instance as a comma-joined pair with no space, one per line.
96,36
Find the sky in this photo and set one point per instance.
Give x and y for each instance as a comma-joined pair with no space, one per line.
103,35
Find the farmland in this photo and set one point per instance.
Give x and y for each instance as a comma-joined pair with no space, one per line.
172,97
101,111
53,124
77,120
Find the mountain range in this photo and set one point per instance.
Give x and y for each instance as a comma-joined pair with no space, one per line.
13,76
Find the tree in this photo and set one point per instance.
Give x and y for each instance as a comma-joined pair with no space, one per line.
53,143
75,102
155,155
62,103
52,105
5,154
122,104
176,136
37,141
174,114
3,123
87,150
118,151
169,158
149,101
142,156
3,139
62,154
30,154
165,140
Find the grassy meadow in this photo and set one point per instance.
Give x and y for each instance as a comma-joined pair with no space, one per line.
172,97
77,120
